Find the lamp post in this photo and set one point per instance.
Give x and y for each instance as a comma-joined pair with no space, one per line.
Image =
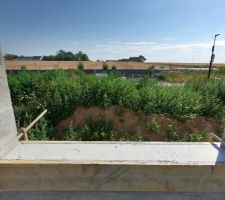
212,56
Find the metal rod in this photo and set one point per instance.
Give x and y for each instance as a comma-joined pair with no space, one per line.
212,56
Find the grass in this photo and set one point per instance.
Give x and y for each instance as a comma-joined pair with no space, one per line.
185,76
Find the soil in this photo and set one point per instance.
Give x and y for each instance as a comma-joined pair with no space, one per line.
128,121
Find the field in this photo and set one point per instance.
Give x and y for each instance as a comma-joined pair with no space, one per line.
47,65
86,107
184,76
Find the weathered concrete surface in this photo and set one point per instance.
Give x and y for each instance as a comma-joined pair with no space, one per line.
7,121
109,196
121,152
106,177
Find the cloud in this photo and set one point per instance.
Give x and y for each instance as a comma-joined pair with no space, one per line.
182,52
140,43
74,43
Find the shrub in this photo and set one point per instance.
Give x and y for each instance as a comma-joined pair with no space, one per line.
213,96
172,134
97,131
150,70
80,66
195,137
23,67
153,126
41,131
181,103
114,68
130,137
70,133
105,67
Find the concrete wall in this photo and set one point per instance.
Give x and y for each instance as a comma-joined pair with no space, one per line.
110,177
7,121
108,196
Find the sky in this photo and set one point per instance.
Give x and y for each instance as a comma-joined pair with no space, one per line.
161,30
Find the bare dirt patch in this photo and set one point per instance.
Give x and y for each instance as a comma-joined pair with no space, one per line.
128,121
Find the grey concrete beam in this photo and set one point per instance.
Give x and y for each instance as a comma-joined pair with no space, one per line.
8,129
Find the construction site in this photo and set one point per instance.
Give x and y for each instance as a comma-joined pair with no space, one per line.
104,170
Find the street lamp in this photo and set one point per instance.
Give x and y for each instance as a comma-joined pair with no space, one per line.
212,56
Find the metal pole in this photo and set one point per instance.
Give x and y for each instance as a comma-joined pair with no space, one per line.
212,56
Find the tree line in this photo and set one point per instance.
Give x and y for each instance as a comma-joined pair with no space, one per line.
10,56
134,59
62,55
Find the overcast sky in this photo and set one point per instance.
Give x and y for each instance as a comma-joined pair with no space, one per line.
161,30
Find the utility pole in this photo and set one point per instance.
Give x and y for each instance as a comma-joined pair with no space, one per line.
212,56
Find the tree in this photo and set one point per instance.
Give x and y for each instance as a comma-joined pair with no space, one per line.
10,56
84,57
62,55
142,58
134,59
105,67
80,66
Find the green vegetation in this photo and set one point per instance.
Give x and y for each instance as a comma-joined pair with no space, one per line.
23,67
213,91
172,134
10,56
97,131
62,55
100,130
131,137
195,137
105,67
71,134
114,68
153,126
150,70
134,59
62,91
80,66
184,76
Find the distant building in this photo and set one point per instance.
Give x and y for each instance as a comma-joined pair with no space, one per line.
31,58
